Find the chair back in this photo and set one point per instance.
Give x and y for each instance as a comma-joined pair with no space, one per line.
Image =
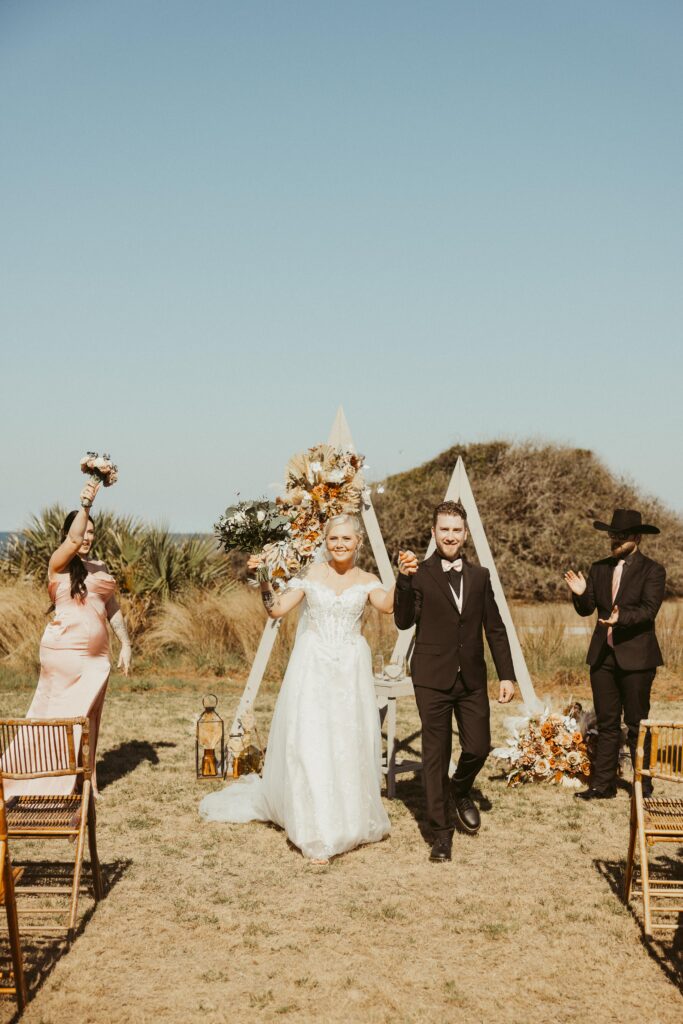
3,841
33,748
665,760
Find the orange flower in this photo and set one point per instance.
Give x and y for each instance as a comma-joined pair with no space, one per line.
547,730
577,737
574,760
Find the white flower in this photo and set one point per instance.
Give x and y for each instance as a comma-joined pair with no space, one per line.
506,753
336,477
260,515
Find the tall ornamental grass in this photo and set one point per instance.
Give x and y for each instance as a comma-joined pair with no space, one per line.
150,564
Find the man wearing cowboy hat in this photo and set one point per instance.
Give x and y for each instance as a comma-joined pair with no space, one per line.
627,589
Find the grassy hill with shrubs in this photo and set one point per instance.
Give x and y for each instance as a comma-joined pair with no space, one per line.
537,503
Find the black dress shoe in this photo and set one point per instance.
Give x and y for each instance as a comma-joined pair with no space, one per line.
596,794
467,814
441,850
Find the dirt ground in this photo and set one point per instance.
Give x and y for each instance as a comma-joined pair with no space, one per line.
224,923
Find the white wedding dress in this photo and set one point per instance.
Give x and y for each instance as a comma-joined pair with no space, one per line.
321,778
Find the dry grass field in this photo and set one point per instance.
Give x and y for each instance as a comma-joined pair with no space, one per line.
219,923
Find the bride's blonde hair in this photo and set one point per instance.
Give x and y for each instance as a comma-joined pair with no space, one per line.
356,525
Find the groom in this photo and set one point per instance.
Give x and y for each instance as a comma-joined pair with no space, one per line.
452,604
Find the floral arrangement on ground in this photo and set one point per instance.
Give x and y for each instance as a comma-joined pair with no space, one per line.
550,746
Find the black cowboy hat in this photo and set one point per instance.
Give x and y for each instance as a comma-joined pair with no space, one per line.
626,520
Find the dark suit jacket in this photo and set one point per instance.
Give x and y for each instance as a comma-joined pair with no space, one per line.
641,591
446,641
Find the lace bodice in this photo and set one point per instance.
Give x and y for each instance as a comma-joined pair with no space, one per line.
335,618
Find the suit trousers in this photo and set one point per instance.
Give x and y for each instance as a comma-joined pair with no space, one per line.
473,716
614,690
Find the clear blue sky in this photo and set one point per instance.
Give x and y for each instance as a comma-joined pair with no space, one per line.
220,220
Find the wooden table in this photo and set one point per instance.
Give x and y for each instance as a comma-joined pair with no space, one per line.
388,691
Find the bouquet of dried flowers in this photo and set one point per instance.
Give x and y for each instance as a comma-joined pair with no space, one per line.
252,526
100,468
549,747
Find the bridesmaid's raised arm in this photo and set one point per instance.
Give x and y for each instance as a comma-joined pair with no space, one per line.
60,558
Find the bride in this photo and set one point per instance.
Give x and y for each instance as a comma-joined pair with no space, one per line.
321,778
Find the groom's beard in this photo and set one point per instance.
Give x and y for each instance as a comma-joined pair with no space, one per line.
450,556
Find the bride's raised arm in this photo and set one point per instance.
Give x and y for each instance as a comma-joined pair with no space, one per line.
276,605
381,599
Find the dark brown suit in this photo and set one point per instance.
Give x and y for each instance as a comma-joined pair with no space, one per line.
622,676
449,672
640,594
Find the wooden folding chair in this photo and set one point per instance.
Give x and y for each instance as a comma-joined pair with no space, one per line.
33,748
656,820
8,876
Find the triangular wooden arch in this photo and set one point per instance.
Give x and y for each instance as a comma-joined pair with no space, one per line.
459,489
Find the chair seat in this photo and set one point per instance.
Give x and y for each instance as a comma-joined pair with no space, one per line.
28,813
663,815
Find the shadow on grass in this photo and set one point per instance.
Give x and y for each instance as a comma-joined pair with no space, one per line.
409,785
42,953
666,953
124,759
410,791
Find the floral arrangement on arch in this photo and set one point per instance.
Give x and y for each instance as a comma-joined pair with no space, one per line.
549,747
321,483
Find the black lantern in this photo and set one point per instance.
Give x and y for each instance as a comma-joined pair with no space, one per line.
210,744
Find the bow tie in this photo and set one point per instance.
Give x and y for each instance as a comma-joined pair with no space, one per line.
447,566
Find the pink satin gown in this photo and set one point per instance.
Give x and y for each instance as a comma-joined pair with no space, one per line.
74,661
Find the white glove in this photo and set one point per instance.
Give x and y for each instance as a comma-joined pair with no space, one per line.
119,626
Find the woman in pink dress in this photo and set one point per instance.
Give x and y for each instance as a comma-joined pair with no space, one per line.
74,650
